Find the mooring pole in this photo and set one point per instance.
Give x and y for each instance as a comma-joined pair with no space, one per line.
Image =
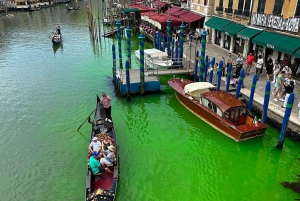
203,42
118,24
266,102
114,62
142,68
196,66
128,31
211,75
154,39
172,49
228,77
127,80
241,78
168,37
219,74
285,121
205,68
254,80
181,45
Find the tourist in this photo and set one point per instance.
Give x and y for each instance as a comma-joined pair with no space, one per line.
250,59
279,85
288,88
269,68
238,68
105,144
276,70
58,29
240,59
96,166
105,100
229,60
259,65
108,158
95,147
224,69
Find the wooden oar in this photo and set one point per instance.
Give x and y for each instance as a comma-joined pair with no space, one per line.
86,119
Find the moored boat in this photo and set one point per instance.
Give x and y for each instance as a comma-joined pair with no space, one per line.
103,186
219,109
155,59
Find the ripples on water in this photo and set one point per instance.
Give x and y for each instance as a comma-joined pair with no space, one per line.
166,153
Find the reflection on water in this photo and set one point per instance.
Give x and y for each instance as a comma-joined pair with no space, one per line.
57,46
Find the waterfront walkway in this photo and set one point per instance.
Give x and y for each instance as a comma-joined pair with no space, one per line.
217,52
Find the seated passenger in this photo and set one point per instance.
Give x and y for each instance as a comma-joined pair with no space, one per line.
96,166
95,147
105,144
109,157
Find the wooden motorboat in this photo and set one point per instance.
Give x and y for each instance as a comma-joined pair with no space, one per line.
57,39
155,59
103,187
220,109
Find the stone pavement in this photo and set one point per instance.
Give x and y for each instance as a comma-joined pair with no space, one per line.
217,52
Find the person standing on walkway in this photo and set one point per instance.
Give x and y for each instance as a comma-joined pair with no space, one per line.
105,100
279,85
250,59
259,65
276,70
240,59
269,68
224,67
289,88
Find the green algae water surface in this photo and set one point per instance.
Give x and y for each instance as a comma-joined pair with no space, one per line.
166,153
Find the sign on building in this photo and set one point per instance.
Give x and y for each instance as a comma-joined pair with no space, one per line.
275,22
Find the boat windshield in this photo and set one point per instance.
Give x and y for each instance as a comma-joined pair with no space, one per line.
237,115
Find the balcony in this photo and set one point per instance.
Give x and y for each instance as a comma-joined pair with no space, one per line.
228,11
219,9
241,13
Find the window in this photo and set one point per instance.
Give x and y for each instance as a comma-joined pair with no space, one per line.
230,2
297,13
261,6
241,4
278,7
221,3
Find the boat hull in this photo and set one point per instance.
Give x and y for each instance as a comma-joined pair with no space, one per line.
154,65
237,133
57,41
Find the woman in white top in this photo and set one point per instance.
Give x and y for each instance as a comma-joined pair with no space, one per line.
276,70
259,65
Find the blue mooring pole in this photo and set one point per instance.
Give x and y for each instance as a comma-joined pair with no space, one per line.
168,36
158,40
176,55
172,53
196,66
203,42
241,78
254,80
211,75
127,81
266,102
285,121
205,68
228,77
114,62
219,74
118,24
181,45
128,31
154,39
142,68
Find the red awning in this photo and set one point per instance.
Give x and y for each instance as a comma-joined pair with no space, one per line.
173,10
190,17
179,13
163,18
142,8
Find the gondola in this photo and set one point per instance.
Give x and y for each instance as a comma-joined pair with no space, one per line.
104,186
32,9
57,39
72,8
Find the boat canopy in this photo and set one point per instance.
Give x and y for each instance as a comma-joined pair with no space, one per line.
159,54
197,88
151,51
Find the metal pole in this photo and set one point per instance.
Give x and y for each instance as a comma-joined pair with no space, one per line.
127,80
128,31
118,24
142,57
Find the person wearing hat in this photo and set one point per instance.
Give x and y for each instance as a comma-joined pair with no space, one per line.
95,147
96,167
108,159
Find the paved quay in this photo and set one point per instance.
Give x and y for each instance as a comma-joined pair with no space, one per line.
275,111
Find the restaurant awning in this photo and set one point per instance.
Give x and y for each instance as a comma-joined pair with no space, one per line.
247,33
217,23
190,17
173,10
181,12
159,4
130,10
232,29
279,42
142,8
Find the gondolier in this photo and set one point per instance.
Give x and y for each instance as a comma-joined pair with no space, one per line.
105,100
58,29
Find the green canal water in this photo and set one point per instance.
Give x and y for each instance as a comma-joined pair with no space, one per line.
166,153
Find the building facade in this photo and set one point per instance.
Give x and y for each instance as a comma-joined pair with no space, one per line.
263,27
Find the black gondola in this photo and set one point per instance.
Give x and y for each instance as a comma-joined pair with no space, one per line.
104,186
57,39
